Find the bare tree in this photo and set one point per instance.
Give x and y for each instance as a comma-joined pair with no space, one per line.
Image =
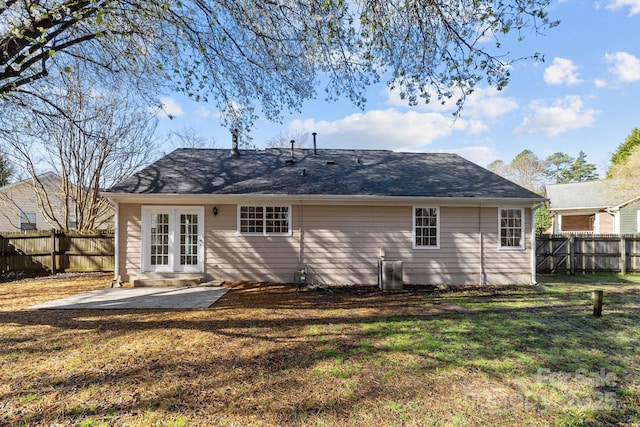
283,140
89,134
189,137
276,54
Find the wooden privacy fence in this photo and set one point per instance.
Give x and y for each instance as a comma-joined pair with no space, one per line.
588,253
56,251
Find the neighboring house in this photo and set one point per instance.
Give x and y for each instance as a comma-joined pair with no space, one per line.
262,215
20,209
593,207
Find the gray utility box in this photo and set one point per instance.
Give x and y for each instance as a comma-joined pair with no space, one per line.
390,275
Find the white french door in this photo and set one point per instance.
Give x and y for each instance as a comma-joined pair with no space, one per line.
172,239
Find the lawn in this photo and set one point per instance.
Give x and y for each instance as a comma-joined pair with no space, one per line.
268,355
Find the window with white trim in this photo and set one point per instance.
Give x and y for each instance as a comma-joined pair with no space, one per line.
28,221
511,227
264,220
426,227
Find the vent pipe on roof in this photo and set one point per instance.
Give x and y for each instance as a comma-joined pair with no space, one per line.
315,151
234,143
292,144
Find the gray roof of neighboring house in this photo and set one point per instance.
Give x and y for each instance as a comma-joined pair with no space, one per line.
329,172
583,195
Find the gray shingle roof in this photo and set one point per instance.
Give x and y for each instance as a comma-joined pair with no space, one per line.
329,172
597,194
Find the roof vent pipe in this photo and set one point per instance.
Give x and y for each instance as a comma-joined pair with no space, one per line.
234,143
315,151
292,144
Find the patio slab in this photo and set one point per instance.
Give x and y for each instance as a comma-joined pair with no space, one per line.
185,297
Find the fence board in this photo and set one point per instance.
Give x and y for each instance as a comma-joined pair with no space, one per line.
57,251
588,253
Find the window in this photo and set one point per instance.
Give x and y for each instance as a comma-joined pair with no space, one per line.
159,239
511,228
28,221
264,220
72,222
426,226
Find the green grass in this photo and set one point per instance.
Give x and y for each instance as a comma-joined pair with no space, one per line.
517,355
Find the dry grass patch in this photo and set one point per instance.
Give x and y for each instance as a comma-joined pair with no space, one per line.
269,355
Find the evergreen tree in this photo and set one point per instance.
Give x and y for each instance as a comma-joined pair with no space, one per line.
579,170
543,218
555,165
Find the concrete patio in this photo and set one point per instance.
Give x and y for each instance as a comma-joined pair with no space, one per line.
184,297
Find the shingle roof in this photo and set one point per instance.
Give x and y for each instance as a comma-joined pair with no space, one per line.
597,194
329,172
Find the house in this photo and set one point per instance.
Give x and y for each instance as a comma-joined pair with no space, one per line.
264,214
21,206
593,207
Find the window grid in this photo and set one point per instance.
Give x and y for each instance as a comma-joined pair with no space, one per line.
188,239
160,239
511,228
265,220
426,227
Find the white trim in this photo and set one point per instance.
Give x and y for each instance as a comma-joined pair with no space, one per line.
534,279
523,244
271,199
174,229
638,221
413,227
116,240
264,232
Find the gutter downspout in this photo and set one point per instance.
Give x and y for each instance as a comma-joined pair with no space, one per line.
481,243
534,280
300,236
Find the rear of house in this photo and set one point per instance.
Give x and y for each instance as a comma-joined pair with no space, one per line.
263,215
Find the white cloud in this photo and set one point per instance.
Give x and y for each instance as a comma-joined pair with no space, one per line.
488,103
634,5
563,71
386,129
563,115
204,113
600,83
482,103
625,66
168,108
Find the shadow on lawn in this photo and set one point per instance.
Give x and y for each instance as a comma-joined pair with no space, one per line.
513,334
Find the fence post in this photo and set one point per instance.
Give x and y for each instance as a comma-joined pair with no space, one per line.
53,251
598,297
623,255
572,268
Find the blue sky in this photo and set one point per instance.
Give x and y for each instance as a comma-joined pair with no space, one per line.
585,96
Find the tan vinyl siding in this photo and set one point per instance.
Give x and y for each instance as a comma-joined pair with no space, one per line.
501,265
129,241
342,245
15,199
